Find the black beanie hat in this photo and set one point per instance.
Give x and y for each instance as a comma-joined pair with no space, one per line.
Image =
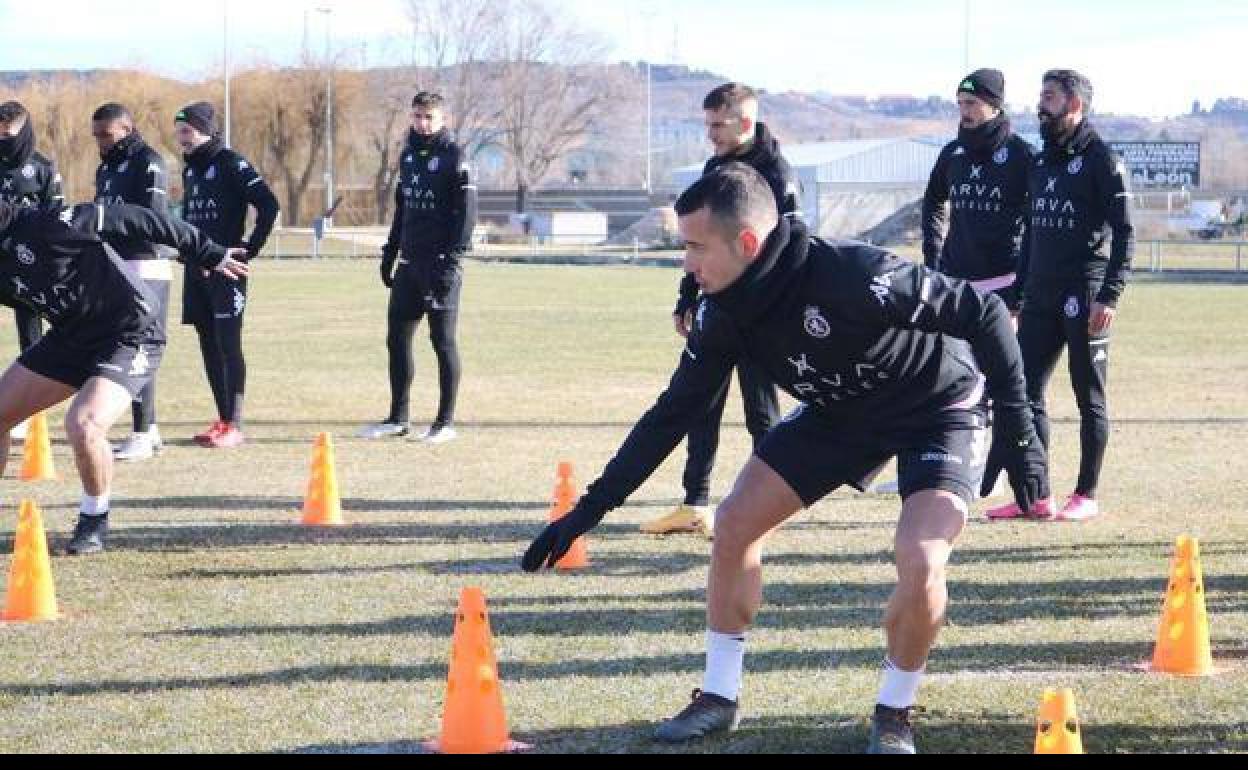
986,84
201,116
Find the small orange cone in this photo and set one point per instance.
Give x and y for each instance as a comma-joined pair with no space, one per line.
577,556
31,595
322,506
473,719
1057,726
37,451
1183,638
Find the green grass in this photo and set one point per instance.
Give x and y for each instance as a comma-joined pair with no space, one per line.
216,624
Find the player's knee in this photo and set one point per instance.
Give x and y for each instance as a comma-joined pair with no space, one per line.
733,535
83,429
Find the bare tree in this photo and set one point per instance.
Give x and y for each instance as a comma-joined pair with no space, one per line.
555,89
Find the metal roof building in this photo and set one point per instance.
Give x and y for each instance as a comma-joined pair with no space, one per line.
850,186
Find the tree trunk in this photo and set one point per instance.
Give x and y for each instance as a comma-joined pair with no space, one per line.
522,197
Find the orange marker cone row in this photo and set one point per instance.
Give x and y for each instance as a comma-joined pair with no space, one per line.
31,593
37,451
1057,725
565,495
473,719
322,506
1183,638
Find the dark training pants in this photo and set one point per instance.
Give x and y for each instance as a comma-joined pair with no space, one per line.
29,328
410,303
1044,329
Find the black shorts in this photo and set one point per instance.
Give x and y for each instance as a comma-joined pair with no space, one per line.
127,362
816,457
212,299
412,297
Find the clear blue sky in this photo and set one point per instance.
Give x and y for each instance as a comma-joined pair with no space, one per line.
1144,56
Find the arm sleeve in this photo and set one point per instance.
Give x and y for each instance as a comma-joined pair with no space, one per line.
394,242
54,189
155,185
258,195
935,213
787,191
907,296
703,373
1111,183
144,224
464,207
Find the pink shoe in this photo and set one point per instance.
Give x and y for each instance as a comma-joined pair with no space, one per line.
1042,511
1079,508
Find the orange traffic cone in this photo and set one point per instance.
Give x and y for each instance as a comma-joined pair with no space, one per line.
31,595
577,556
37,451
1183,638
473,719
322,506
1057,726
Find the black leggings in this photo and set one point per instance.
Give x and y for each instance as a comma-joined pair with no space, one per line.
758,395
1042,333
401,329
221,344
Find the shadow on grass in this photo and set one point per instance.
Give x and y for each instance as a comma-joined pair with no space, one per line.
937,732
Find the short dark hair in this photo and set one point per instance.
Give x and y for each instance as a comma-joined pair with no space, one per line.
11,111
112,111
736,195
1074,84
729,95
428,99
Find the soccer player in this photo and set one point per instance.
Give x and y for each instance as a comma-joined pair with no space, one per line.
106,339
131,171
1074,274
738,136
435,213
219,187
879,352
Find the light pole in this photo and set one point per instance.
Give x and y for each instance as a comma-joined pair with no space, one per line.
329,122
649,109
225,59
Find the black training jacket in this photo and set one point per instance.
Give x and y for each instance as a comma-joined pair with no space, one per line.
435,204
134,173
219,186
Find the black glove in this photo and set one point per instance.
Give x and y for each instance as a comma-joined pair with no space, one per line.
1020,454
387,270
251,252
554,542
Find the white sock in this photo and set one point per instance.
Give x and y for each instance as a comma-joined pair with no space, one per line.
95,506
900,689
725,660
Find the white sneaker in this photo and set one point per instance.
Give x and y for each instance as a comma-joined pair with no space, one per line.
886,488
383,430
139,446
19,431
438,434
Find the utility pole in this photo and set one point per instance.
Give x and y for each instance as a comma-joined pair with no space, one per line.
225,59
329,121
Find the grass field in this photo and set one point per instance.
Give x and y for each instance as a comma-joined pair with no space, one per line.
214,623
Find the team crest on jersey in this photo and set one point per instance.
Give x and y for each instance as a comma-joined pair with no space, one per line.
1072,308
28,171
816,325
212,173
1002,156
122,168
24,254
1076,165
435,163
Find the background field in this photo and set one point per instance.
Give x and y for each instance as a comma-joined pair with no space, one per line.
216,624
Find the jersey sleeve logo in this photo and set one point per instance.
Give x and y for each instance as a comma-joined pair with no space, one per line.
24,254
816,325
212,173
1002,156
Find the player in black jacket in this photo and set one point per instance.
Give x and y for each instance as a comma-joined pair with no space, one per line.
975,209
219,186
1074,272
105,341
879,350
27,178
733,127
435,213
131,171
